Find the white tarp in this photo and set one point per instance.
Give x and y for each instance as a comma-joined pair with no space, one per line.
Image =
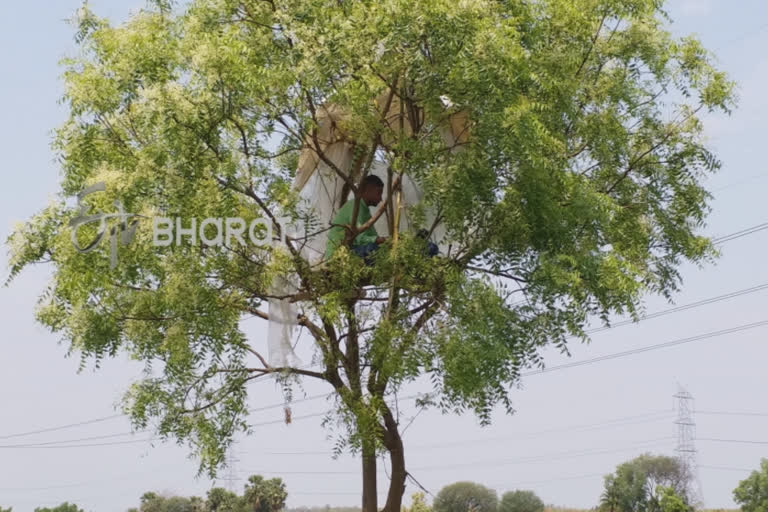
320,188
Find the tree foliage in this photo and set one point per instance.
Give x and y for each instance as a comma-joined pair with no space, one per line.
418,503
579,190
262,495
222,500
521,501
153,502
465,496
643,484
671,501
64,507
259,495
752,492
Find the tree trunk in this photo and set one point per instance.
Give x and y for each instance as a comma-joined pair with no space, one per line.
370,503
394,444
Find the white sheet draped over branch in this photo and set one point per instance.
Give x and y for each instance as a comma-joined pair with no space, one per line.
321,189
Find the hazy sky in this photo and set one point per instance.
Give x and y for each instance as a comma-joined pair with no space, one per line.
572,425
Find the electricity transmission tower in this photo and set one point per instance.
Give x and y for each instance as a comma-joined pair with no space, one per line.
686,434
231,477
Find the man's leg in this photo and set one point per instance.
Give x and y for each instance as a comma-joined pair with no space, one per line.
431,248
366,252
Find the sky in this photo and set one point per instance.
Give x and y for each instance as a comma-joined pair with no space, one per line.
571,426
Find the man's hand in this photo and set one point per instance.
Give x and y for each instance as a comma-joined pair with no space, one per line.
381,240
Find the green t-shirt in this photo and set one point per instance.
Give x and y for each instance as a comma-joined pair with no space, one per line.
344,218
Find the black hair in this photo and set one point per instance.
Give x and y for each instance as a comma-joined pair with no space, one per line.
372,180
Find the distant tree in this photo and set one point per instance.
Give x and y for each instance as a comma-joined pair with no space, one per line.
153,502
671,501
64,507
521,501
418,503
464,497
150,502
222,500
637,485
752,492
325,508
6,509
264,495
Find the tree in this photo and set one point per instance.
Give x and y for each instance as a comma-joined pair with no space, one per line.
263,495
641,484
222,500
579,190
153,502
465,497
671,501
10,509
64,507
418,503
752,492
521,501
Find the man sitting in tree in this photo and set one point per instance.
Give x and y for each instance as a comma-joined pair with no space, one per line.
369,241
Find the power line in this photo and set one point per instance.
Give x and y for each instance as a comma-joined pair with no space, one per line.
657,314
89,445
47,488
722,468
542,458
619,422
505,484
737,441
61,443
54,444
648,348
64,441
106,418
524,374
62,427
728,413
739,234
492,462
548,480
684,307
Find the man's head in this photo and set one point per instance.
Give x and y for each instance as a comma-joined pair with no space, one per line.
371,190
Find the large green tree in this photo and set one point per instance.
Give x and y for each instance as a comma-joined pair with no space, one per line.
464,497
752,492
577,192
648,483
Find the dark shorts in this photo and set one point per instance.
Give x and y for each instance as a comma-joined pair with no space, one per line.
367,251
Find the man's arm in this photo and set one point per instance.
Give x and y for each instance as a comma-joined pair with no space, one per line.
369,236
